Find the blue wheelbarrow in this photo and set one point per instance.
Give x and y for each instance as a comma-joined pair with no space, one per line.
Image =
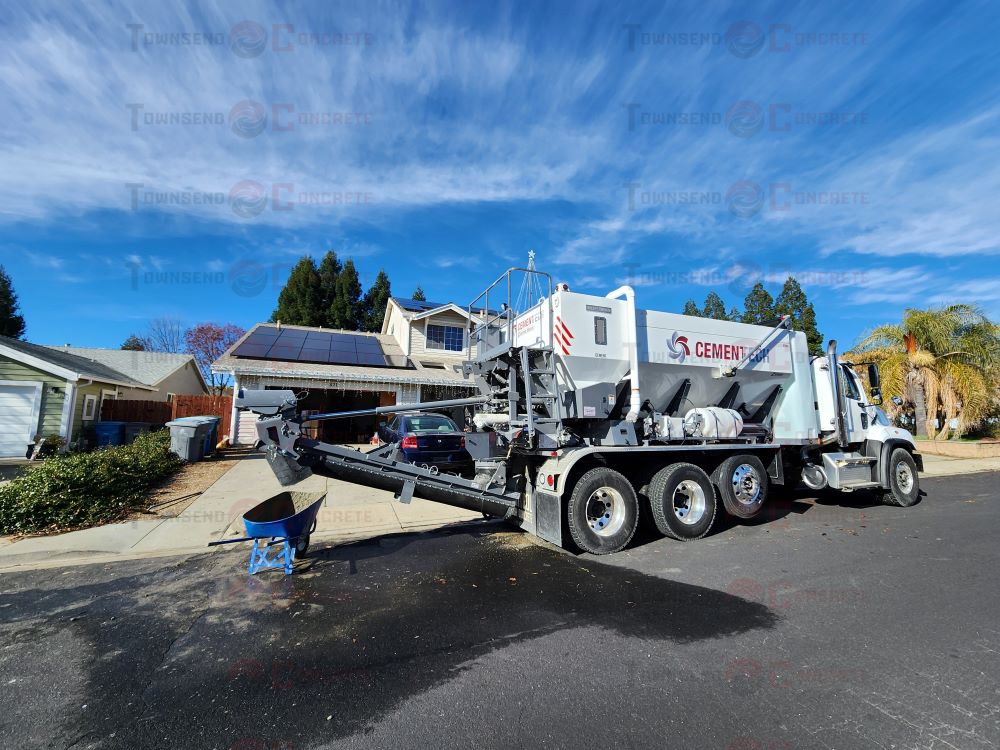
279,528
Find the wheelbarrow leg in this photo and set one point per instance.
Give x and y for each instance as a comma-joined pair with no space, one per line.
261,560
258,558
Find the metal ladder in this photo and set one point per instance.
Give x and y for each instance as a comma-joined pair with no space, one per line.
538,382
541,386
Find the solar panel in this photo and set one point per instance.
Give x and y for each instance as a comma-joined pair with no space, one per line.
343,358
318,347
367,358
314,355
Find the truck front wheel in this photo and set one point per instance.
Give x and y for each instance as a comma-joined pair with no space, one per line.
683,501
743,484
602,512
904,487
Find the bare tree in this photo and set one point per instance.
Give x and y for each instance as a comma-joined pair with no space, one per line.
164,335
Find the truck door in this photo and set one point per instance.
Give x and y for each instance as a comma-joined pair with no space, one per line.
856,418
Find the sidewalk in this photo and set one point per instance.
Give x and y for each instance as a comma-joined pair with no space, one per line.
945,466
350,512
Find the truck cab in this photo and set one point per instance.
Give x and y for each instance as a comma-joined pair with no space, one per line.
860,448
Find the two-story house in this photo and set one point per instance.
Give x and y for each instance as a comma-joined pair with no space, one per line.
416,357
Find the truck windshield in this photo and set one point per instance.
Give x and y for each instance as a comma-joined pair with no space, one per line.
881,418
430,423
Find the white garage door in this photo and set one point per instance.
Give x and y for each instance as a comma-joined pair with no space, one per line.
19,407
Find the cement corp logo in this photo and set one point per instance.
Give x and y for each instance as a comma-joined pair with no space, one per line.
678,346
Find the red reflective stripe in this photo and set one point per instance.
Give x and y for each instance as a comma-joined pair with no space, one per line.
555,337
565,330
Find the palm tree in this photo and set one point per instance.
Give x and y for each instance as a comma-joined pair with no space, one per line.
943,362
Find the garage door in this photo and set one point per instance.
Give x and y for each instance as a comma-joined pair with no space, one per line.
19,409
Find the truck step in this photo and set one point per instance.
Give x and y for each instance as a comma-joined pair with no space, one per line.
851,486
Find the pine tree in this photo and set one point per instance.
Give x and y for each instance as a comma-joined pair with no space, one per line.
299,301
374,302
690,308
792,301
418,295
714,307
758,307
347,303
133,344
329,270
11,320
735,315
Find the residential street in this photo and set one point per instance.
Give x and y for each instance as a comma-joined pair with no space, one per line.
834,624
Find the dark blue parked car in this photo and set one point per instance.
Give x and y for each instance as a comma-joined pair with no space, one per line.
431,439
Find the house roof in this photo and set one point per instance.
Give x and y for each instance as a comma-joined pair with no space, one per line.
66,364
417,306
149,368
415,373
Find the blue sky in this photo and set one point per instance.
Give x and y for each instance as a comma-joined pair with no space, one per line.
172,160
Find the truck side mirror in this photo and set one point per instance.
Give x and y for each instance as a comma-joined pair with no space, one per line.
875,384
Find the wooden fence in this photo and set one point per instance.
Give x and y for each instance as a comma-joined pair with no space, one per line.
155,412
158,412
206,406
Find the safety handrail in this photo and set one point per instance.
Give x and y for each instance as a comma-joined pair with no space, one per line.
506,313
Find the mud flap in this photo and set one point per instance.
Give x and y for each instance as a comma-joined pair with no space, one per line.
548,517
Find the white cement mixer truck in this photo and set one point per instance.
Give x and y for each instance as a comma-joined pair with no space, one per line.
594,413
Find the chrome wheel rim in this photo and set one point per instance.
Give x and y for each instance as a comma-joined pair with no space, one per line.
688,502
904,477
746,484
605,511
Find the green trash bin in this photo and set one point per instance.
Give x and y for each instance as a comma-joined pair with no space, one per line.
187,438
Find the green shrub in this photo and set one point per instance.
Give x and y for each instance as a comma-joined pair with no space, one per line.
53,445
84,489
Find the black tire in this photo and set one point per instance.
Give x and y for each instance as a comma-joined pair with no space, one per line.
904,485
301,545
683,501
602,512
742,483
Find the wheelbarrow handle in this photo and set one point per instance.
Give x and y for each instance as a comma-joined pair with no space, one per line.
231,541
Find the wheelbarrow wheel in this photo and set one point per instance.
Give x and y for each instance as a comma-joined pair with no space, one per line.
301,545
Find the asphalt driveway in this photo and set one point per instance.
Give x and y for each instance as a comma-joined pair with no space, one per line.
827,626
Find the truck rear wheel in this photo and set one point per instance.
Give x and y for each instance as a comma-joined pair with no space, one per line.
743,484
904,487
602,512
683,501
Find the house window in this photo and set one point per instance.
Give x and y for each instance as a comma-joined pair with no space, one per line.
601,331
89,408
449,338
170,397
